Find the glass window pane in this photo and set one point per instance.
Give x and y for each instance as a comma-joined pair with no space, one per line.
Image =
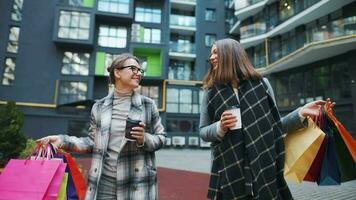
172,95
172,107
9,71
74,25
185,96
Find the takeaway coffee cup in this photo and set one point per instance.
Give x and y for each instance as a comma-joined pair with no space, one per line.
130,123
235,110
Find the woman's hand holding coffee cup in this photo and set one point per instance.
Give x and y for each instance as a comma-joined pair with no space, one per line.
138,132
227,120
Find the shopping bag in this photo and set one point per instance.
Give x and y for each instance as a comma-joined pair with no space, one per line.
314,170
346,164
345,135
62,194
27,179
78,180
53,189
301,148
329,172
71,193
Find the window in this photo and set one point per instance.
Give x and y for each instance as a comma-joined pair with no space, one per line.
114,6
112,36
74,25
183,100
146,35
210,39
72,91
152,35
210,15
16,13
151,92
75,63
181,70
286,9
147,12
13,43
9,71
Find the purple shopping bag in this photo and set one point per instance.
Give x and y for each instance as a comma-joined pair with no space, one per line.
27,179
53,189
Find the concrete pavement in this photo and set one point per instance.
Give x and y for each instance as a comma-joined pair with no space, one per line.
198,160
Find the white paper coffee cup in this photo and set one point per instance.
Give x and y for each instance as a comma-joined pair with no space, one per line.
236,111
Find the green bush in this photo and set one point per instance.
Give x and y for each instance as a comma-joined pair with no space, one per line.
12,138
30,145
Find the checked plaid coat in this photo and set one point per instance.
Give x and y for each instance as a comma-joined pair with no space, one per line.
136,170
247,163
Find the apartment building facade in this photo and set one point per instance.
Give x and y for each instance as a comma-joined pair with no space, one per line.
306,47
54,56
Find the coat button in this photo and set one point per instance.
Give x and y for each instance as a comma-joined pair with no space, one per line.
134,187
96,169
136,169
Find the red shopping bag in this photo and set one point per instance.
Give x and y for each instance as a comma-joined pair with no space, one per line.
78,180
345,135
27,179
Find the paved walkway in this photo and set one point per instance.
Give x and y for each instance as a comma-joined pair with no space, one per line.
199,161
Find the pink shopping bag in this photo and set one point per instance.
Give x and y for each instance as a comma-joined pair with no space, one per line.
53,189
27,179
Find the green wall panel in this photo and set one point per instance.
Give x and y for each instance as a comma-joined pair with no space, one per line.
153,57
100,63
88,3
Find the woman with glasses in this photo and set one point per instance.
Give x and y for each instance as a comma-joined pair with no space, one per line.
247,148
123,167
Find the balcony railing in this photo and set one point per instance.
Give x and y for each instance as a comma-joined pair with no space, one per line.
268,23
245,3
180,20
331,30
177,47
253,30
184,1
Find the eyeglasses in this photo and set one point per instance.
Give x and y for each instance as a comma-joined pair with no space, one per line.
134,69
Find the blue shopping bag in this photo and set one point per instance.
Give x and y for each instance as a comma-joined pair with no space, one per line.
330,172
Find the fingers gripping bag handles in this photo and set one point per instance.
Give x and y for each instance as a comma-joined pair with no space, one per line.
35,182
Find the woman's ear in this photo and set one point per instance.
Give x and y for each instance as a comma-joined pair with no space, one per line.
117,74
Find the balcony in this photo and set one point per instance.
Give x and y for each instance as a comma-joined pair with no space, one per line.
182,24
335,38
182,51
253,30
247,8
301,16
187,5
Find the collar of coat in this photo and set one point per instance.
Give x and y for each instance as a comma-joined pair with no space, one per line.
136,99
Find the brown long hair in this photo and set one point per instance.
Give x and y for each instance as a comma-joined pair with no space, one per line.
234,65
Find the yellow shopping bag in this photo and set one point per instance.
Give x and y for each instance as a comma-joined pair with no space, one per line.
301,148
62,194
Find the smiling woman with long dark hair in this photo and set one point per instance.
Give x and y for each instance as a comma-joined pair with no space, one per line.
248,147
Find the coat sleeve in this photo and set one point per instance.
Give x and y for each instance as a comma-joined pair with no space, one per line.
208,130
157,139
82,144
291,122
